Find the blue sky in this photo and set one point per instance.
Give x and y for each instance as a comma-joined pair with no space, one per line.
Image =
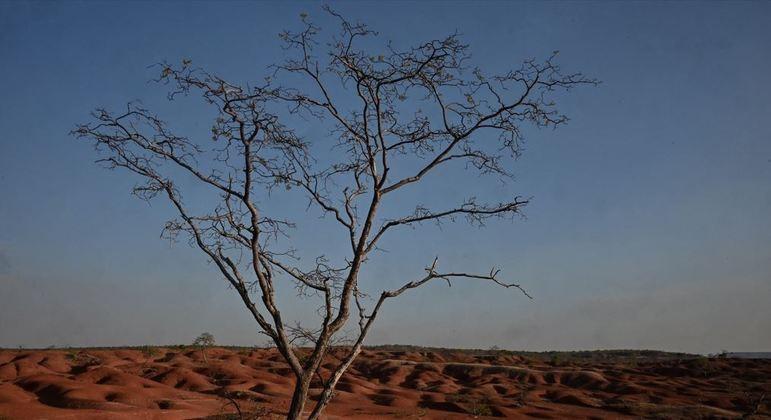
649,226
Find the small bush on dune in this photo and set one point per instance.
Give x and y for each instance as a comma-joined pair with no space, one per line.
149,351
203,341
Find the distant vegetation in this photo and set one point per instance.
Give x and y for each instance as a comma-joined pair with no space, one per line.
579,355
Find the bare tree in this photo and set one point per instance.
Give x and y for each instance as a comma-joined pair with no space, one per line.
422,107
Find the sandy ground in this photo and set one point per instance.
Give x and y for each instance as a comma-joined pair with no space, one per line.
177,383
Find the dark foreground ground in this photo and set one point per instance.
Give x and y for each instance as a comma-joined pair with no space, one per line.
387,382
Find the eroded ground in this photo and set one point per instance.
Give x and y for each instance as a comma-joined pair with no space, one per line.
176,383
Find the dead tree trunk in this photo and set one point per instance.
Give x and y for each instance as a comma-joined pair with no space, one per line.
299,398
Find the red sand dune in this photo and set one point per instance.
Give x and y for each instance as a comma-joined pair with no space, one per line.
173,383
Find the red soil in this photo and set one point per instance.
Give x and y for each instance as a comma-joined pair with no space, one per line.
176,384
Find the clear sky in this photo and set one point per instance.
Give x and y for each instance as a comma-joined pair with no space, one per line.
650,223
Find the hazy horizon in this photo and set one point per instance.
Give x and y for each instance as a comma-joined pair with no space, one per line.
649,225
